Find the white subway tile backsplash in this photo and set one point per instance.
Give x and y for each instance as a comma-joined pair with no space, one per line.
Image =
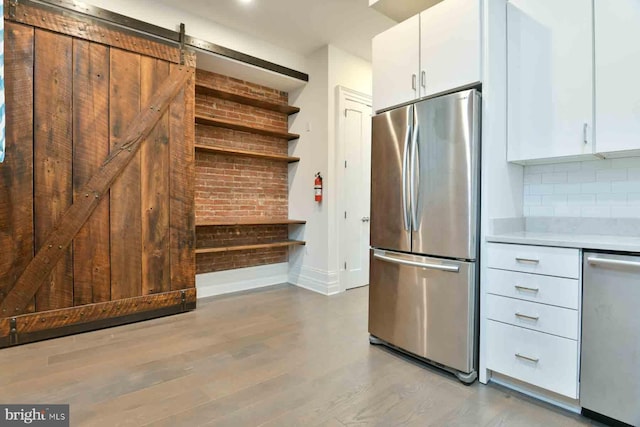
554,200
581,176
592,165
625,186
595,211
626,163
535,178
625,212
540,211
540,189
633,199
571,211
608,175
554,178
598,188
581,199
530,200
567,189
567,167
612,199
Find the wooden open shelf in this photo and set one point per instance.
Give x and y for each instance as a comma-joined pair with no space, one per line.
230,124
244,153
249,221
286,243
247,100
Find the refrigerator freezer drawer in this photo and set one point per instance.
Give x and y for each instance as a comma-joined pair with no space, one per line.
425,306
543,360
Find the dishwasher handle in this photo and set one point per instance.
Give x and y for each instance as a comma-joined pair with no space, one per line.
612,262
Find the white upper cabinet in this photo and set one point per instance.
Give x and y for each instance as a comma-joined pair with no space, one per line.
617,53
450,46
436,51
395,62
550,79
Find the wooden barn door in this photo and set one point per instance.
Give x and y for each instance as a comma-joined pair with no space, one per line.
96,191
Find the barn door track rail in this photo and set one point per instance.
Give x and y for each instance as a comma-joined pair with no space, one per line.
77,214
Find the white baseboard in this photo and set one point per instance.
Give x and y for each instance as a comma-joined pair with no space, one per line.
242,279
320,281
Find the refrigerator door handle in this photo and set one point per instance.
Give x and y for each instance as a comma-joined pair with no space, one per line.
415,157
405,167
387,258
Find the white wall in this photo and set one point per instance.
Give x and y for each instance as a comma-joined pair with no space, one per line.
315,266
599,188
165,16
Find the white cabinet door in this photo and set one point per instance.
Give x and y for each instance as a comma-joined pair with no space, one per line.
617,50
396,60
550,79
450,46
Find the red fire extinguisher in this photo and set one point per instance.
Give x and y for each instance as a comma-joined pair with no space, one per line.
317,186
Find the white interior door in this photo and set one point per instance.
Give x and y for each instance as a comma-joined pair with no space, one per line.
355,144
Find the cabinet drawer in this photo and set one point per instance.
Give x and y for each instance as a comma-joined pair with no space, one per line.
531,315
533,287
561,262
543,360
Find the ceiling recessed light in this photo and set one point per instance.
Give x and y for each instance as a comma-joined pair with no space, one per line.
245,1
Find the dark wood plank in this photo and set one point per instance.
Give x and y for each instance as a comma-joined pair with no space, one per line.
156,269
53,157
124,203
55,247
239,126
16,172
91,267
247,100
43,321
245,153
250,221
250,247
46,17
182,187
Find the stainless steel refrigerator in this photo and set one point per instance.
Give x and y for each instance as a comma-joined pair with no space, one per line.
423,291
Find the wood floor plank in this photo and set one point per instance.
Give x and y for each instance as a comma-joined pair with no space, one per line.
276,357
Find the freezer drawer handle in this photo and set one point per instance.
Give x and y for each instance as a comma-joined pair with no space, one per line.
613,262
524,288
527,260
530,359
525,316
449,268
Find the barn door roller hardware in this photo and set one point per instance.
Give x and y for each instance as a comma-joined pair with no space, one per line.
13,331
182,37
13,5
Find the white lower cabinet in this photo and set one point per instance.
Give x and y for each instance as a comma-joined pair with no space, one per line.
533,315
544,360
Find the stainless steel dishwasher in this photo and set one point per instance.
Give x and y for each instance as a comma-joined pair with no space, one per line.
610,368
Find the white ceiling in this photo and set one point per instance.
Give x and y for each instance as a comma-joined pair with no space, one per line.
301,26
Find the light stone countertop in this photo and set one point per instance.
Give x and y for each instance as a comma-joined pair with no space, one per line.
605,234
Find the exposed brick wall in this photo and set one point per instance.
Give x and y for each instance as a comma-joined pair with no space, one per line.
240,187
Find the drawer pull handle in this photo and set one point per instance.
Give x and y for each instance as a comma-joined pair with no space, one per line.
530,359
527,260
525,316
524,288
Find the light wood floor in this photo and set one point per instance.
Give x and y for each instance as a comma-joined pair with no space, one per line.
282,356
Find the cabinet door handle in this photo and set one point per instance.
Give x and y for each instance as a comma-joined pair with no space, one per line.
530,359
524,288
585,130
423,79
526,316
527,260
413,81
